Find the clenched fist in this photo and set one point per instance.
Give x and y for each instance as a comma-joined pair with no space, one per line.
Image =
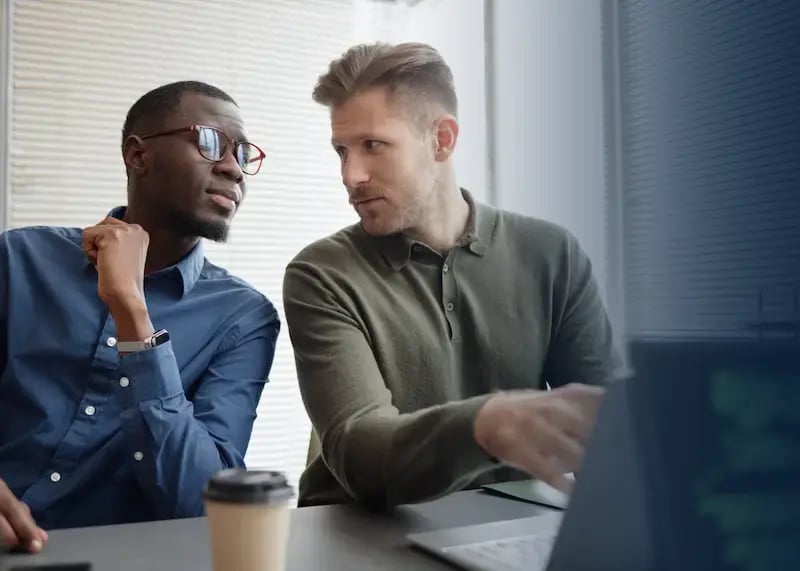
118,251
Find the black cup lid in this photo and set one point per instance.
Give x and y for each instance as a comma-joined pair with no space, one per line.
240,486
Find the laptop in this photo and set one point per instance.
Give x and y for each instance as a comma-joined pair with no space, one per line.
548,542
692,465
721,423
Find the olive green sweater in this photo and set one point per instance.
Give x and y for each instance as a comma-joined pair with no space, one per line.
397,348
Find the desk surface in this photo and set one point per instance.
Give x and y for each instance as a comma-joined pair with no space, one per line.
327,537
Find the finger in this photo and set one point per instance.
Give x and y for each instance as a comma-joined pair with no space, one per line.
559,445
111,221
106,225
90,251
577,411
88,243
35,545
555,473
567,417
548,469
7,535
94,237
588,397
89,237
560,482
19,516
107,221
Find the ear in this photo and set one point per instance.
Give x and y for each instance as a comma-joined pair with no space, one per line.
446,138
134,155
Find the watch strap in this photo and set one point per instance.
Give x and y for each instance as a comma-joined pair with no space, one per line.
158,338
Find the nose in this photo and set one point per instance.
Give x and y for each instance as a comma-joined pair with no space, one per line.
229,167
354,171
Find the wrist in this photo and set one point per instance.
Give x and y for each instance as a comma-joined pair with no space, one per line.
131,318
121,302
484,425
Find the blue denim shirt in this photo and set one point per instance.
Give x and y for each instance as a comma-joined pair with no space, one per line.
91,438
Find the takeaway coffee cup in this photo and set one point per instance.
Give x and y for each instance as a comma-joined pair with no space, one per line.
248,519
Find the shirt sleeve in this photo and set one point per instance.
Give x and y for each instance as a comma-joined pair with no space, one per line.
176,442
380,456
581,348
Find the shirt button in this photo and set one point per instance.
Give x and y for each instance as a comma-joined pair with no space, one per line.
124,382
111,341
55,477
138,456
445,268
89,410
450,306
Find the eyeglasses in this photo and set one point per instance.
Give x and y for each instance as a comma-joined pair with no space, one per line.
214,144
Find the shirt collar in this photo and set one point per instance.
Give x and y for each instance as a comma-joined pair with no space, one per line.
187,271
397,248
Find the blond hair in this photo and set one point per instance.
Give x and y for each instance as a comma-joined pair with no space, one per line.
408,70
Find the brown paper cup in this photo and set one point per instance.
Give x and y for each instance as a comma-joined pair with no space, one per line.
248,520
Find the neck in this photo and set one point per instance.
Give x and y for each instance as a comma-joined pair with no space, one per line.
444,219
165,248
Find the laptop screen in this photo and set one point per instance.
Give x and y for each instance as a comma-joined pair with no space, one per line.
719,436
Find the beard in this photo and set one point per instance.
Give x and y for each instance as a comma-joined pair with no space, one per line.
187,225
403,215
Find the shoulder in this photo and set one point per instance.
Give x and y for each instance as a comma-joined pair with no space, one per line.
46,244
333,269
234,286
540,235
35,235
244,310
539,248
534,240
347,247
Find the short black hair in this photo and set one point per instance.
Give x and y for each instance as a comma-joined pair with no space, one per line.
156,105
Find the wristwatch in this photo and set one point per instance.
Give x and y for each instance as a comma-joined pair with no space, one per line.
158,338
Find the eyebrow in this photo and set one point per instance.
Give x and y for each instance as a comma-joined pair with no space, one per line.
236,135
235,132
360,137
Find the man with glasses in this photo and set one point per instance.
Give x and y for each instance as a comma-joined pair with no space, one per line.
131,365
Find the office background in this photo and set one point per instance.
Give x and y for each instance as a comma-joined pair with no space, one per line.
529,77
664,135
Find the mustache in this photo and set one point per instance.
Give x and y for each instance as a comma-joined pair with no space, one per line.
363,193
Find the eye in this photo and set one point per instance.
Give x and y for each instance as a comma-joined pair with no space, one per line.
373,145
341,151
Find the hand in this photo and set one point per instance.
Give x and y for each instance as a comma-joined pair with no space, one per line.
119,251
543,433
17,528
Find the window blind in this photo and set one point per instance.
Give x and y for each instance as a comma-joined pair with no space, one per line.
709,107
79,64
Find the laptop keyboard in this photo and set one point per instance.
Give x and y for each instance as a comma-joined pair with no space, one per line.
529,552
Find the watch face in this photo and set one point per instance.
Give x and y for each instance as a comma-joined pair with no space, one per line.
159,338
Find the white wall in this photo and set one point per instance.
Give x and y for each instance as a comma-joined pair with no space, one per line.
549,116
